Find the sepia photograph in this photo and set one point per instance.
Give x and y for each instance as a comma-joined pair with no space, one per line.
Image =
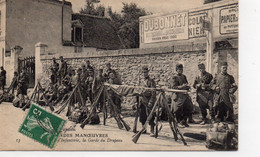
119,75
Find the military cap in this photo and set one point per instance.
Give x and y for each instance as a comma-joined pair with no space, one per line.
201,66
224,64
79,69
61,57
53,58
145,69
179,66
108,64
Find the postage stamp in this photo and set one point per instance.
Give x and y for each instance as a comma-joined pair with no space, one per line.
42,126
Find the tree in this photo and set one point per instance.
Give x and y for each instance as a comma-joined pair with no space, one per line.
210,1
127,24
90,9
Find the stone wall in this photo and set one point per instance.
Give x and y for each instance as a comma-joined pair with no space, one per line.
161,62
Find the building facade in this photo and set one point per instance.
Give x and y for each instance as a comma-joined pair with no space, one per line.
185,28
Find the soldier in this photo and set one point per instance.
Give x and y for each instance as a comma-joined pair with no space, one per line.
147,100
89,67
115,97
204,93
14,82
62,69
2,78
54,71
108,71
97,84
89,83
224,86
181,102
51,92
23,82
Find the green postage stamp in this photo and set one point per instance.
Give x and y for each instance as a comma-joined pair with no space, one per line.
42,126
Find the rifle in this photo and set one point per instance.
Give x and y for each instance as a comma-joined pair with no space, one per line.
44,97
174,127
156,123
137,135
147,88
137,109
93,107
65,104
117,117
2,97
136,114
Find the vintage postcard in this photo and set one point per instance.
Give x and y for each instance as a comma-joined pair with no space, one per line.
119,75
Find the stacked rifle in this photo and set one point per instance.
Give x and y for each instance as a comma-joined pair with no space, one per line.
35,97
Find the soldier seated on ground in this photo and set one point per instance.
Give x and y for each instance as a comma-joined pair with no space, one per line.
51,92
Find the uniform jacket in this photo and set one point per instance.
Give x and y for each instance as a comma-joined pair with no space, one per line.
226,85
178,99
149,96
204,92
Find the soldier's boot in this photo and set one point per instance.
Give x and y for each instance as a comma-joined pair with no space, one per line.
144,130
191,120
204,121
184,122
152,131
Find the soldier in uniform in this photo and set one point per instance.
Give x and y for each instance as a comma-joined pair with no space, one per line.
147,100
15,82
115,97
204,93
2,78
62,69
89,84
97,84
23,83
54,71
89,67
108,71
181,102
224,86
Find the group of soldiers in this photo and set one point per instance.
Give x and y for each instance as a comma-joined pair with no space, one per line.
89,80
213,94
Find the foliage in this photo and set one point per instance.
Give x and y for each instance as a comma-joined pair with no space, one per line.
126,23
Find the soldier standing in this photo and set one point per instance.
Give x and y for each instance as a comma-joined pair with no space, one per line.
89,67
23,83
108,71
115,97
204,93
147,100
54,71
2,78
89,84
14,82
62,69
181,102
224,86
97,84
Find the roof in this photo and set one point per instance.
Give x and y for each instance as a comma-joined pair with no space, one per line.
60,2
98,32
